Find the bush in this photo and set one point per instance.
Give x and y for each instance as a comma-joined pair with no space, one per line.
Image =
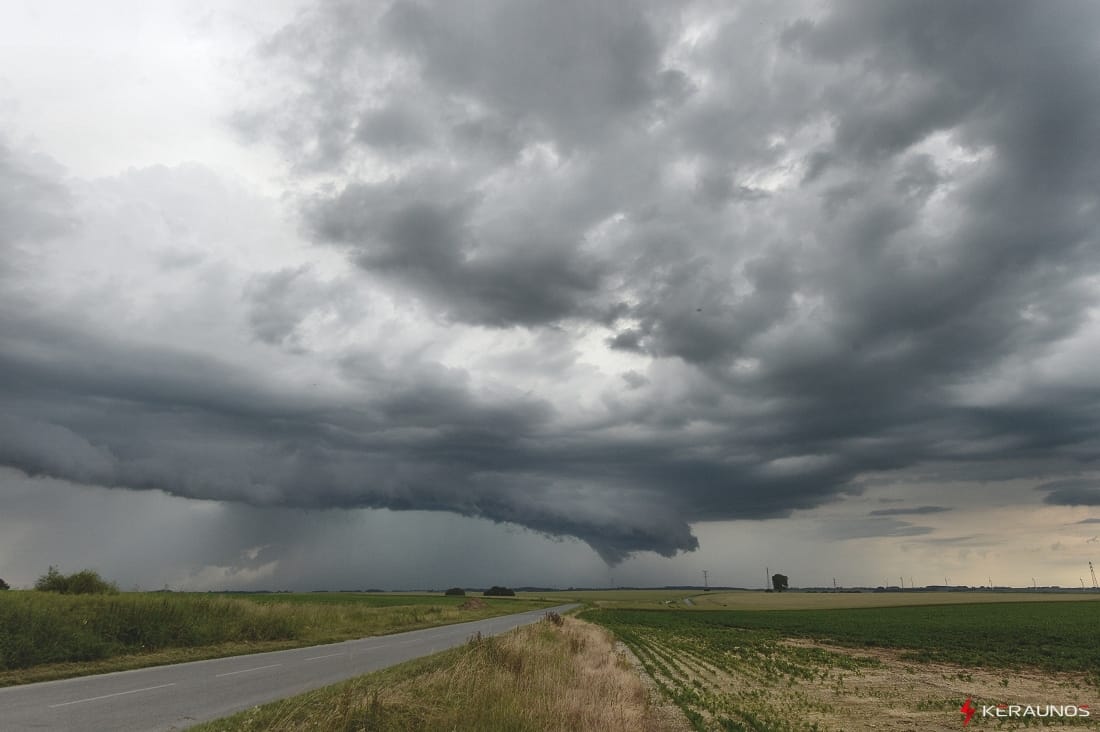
457,591
85,582
496,591
4,585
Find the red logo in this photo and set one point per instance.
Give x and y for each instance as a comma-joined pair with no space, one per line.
968,711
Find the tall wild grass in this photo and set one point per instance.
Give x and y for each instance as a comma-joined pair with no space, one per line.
562,674
39,628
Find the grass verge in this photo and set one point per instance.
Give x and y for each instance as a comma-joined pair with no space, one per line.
541,677
46,636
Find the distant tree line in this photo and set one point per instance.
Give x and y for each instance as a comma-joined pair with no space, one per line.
497,591
4,585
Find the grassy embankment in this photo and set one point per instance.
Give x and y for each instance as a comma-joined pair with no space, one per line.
541,677
50,636
738,670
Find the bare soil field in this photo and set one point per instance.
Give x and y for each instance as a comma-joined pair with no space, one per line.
896,694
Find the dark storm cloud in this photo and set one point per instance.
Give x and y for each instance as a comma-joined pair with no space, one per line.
113,413
280,302
34,203
915,511
826,241
571,69
1072,492
420,234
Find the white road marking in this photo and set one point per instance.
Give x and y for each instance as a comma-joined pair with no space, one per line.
108,696
246,670
331,655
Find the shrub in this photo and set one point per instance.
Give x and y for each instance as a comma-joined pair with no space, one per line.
497,591
84,582
458,591
4,585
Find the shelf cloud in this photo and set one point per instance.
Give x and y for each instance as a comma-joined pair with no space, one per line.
600,270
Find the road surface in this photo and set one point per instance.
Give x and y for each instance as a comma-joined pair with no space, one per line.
176,697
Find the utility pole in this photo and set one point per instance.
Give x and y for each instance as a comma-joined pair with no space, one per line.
1092,571
834,584
767,578
705,585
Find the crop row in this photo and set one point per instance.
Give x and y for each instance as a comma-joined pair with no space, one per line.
1050,636
734,679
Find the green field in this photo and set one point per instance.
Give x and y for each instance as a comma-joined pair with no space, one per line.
749,600
645,597
362,599
736,670
45,635
1052,636
757,600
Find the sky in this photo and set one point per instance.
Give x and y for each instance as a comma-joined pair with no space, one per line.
401,294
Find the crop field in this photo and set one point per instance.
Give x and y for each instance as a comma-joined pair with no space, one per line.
749,600
44,635
644,597
362,599
888,668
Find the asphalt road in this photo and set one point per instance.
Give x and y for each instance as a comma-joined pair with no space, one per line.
176,697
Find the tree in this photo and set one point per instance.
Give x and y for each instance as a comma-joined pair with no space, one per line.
779,582
458,591
52,581
85,582
4,585
497,591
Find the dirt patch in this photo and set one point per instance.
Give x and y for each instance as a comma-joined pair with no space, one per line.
473,604
899,694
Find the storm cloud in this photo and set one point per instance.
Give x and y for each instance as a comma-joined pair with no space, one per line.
914,511
601,270
1072,492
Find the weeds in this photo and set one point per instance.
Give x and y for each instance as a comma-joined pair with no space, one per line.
45,629
537,678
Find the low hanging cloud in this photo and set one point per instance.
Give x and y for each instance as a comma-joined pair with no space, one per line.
601,270
1073,492
913,511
